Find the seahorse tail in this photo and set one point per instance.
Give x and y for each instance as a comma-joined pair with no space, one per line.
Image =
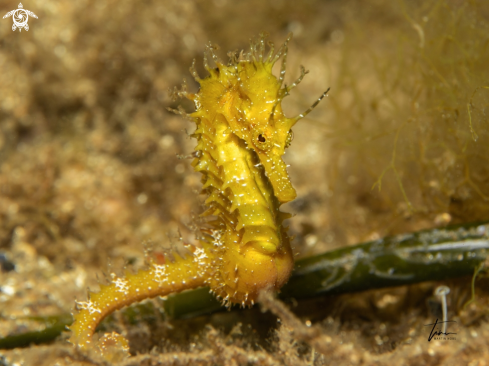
158,280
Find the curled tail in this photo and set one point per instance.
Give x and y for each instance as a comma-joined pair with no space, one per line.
158,280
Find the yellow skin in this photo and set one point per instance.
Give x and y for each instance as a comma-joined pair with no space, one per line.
242,134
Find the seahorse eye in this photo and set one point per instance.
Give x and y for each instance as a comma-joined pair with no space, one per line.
262,140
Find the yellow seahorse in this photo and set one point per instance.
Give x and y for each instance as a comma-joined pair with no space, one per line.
242,134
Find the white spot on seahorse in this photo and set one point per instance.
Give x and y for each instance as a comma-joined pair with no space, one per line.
88,305
200,256
217,235
160,273
121,284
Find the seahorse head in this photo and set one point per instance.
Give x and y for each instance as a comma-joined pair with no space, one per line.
256,116
251,102
247,94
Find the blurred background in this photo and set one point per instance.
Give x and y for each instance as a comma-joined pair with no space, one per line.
88,151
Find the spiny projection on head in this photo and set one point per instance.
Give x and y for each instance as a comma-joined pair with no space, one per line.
241,134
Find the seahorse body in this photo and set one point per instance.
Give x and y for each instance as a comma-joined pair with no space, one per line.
242,134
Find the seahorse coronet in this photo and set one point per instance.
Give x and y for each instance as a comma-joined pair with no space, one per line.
241,134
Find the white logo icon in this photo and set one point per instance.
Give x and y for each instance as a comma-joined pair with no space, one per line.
20,17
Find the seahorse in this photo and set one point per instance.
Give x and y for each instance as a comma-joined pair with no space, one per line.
241,134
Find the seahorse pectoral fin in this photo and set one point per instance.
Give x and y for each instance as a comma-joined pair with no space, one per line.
264,247
276,171
262,238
